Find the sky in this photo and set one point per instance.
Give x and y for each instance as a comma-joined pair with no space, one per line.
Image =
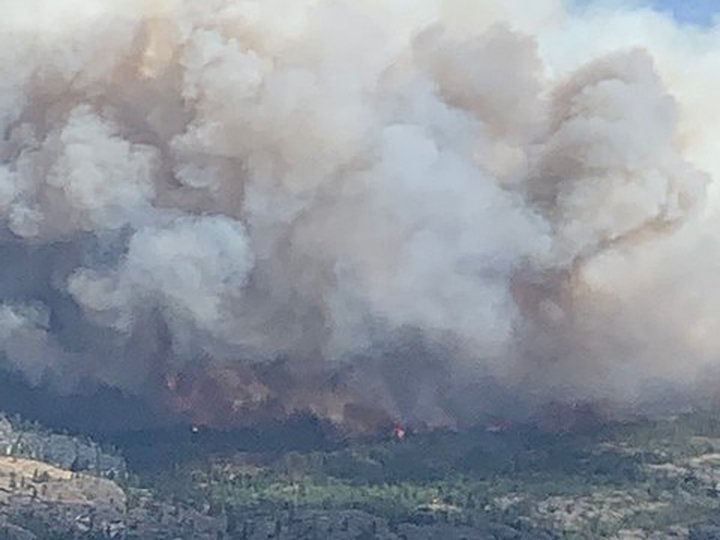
688,11
696,11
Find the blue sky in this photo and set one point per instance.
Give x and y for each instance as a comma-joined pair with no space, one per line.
693,11
698,11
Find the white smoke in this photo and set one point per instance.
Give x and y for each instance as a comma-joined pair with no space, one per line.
413,196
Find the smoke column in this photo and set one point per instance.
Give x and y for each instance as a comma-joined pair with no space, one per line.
430,211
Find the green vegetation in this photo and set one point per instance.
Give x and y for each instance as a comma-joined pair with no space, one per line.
650,475
647,477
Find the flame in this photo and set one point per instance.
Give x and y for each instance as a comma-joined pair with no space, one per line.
171,382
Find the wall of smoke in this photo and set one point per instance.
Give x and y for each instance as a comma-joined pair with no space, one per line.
437,207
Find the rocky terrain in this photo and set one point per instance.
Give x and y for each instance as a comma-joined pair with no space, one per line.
58,486
359,525
20,438
648,480
39,501
36,497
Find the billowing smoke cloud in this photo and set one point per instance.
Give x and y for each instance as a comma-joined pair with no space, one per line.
428,210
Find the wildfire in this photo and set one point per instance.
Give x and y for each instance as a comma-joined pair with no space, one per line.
399,433
171,382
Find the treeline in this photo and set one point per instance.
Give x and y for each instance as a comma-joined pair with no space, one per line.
22,438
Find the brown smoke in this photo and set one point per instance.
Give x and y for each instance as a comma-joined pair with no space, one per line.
437,211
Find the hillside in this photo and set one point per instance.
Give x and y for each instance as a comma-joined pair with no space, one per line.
19,438
37,497
41,501
642,480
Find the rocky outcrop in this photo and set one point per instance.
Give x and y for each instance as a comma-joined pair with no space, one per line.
64,451
359,525
36,497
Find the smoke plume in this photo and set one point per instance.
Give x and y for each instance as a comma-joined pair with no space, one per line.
432,211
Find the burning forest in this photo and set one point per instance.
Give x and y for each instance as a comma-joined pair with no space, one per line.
381,213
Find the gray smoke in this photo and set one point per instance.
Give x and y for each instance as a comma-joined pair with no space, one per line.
437,209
